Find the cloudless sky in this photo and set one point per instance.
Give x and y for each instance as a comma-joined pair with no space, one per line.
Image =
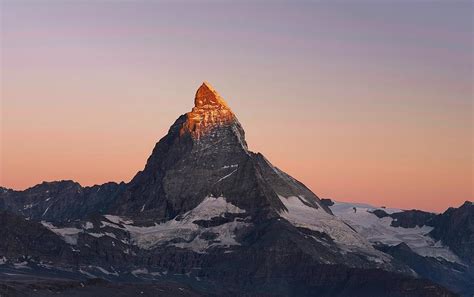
368,101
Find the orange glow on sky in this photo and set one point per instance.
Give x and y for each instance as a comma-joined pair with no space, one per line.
360,107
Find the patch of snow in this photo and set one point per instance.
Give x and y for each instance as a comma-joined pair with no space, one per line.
97,235
87,273
88,225
104,271
344,206
139,271
111,235
143,208
69,234
46,211
21,265
230,166
118,220
28,206
112,225
13,274
379,230
224,177
46,265
3,260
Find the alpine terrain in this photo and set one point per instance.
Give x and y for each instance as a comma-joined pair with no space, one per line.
208,217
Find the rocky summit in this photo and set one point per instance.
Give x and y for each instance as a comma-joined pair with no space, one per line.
210,110
208,217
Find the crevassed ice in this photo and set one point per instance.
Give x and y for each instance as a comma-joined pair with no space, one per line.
186,234
376,229
302,215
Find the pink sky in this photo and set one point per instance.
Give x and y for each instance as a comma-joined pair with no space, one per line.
368,102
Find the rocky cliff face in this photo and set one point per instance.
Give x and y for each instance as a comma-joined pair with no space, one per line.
25,240
455,228
455,276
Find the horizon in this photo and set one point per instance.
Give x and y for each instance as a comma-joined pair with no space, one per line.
100,84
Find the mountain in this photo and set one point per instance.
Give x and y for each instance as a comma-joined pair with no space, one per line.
205,213
20,237
435,246
59,201
455,228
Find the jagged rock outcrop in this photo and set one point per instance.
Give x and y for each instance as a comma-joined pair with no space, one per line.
60,201
455,228
408,218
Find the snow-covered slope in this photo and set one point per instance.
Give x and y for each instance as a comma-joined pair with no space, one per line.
214,222
189,232
379,230
301,214
69,234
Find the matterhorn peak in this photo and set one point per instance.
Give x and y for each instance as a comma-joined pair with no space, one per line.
207,97
210,110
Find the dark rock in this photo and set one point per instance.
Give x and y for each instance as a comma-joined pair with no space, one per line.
456,277
411,218
407,218
326,201
24,239
455,228
380,213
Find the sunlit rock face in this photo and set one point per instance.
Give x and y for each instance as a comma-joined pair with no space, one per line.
209,111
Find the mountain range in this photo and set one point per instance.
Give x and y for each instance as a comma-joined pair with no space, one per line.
208,217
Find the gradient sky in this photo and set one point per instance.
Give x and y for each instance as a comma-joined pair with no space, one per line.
362,101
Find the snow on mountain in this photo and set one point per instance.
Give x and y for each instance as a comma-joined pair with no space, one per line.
193,230
300,214
379,230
